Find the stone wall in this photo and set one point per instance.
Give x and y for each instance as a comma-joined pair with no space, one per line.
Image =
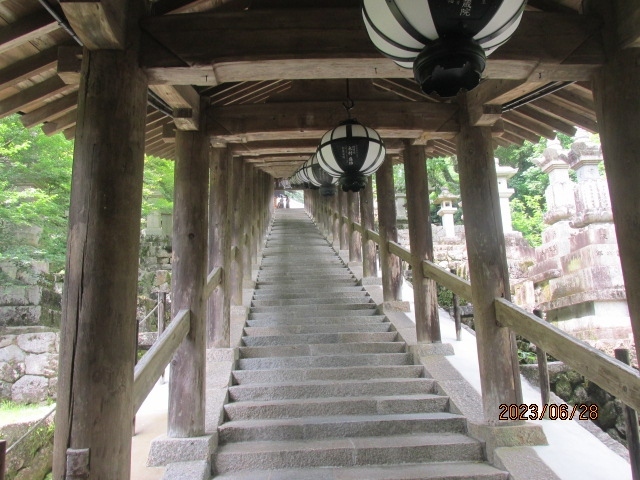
28,364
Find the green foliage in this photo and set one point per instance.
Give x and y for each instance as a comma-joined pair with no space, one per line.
528,203
35,179
157,189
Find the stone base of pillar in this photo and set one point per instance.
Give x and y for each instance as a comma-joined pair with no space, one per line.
192,470
371,281
354,264
222,354
248,284
165,450
395,306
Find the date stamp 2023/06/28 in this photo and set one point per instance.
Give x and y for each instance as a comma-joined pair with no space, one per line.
551,411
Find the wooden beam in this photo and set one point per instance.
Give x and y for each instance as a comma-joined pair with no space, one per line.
564,113
70,64
100,24
628,16
484,109
310,120
26,29
535,127
308,43
515,129
31,95
577,102
51,110
29,67
549,120
70,133
185,102
60,123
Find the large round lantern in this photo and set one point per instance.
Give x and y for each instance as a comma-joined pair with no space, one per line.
351,152
446,42
319,177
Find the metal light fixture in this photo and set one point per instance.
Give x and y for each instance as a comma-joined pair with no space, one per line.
445,41
318,177
351,151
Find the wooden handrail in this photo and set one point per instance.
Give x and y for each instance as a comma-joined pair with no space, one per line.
400,251
213,280
620,380
457,285
153,363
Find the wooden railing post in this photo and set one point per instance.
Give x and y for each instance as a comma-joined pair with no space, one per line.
390,264
342,211
543,370
355,240
425,290
3,458
99,303
187,380
218,304
631,423
236,221
335,220
369,264
497,352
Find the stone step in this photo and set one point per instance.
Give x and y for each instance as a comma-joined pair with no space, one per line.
276,289
319,338
303,317
326,361
321,349
242,377
362,304
320,389
365,319
316,328
310,281
337,293
405,471
348,452
371,405
359,297
309,428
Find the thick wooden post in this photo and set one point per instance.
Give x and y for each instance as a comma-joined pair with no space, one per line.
618,110
97,347
425,291
187,380
355,240
497,354
342,211
369,264
390,264
236,211
218,313
335,221
247,215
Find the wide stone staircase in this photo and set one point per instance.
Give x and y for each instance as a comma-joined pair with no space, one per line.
324,389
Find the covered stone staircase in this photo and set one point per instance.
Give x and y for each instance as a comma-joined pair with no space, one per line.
324,388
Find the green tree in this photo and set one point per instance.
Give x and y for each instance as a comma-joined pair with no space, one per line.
35,178
157,188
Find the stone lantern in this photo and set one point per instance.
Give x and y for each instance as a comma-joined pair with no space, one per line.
446,212
505,173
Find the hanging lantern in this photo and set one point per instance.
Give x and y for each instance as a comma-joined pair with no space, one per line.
445,41
351,151
319,177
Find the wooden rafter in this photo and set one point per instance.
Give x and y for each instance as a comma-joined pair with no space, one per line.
26,29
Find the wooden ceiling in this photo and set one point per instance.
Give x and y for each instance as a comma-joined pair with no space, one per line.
273,75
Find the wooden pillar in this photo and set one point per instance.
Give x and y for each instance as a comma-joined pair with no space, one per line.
187,380
369,265
390,264
236,211
98,328
425,291
335,221
218,314
246,227
355,240
497,353
342,212
618,111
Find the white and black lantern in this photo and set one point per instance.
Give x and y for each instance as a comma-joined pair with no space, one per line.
318,177
445,41
351,152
